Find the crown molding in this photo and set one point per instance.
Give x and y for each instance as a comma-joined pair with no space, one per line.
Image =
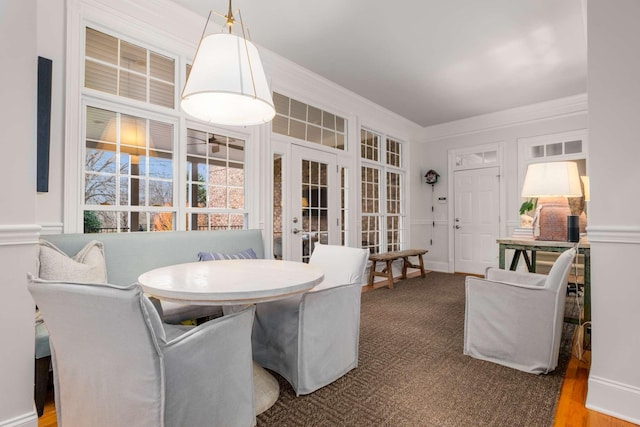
294,80
562,107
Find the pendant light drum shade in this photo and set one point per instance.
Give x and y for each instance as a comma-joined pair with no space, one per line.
227,84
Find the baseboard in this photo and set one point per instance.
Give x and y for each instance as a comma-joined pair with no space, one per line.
436,266
30,419
615,399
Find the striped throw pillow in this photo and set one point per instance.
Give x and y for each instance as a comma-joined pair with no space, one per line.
212,256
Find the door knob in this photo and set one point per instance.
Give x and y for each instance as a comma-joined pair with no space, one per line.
457,227
295,231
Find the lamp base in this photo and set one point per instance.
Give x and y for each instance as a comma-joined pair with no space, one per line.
573,228
550,222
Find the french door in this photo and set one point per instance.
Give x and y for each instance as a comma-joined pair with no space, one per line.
306,182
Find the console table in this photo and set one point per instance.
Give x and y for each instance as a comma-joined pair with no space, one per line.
524,246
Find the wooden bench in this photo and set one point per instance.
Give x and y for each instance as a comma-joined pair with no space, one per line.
389,257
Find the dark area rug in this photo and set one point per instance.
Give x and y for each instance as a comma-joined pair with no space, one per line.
412,371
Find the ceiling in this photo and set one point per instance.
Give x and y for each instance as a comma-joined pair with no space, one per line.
430,61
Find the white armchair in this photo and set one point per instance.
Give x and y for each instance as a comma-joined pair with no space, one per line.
515,319
115,363
312,340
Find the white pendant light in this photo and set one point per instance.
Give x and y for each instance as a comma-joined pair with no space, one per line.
227,84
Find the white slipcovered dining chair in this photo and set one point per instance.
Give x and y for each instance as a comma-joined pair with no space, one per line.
312,339
515,318
116,364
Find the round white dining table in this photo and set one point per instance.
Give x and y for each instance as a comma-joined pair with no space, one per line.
234,282
230,282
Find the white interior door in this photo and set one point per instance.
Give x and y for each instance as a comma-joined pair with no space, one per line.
313,210
476,219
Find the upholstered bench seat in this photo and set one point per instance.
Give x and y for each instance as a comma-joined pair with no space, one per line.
128,255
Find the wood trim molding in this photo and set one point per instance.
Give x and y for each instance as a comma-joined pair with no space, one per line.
52,228
19,234
613,234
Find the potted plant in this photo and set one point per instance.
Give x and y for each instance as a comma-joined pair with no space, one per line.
526,207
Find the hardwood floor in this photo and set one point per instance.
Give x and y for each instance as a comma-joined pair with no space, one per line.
569,413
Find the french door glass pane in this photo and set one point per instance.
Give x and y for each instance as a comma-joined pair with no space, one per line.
315,205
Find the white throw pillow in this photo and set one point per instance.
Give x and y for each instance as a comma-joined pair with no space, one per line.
87,266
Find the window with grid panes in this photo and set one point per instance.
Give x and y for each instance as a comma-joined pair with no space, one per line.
129,164
306,122
371,216
393,152
215,181
128,173
394,211
120,68
382,185
128,158
556,149
369,145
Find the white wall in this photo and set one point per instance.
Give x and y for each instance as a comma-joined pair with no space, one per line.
614,230
51,45
18,232
505,128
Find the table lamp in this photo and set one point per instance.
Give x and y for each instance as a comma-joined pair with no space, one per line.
556,179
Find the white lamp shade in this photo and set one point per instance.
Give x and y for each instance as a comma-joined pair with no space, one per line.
552,180
220,88
585,185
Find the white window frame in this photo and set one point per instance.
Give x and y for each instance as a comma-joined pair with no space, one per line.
90,101
525,145
183,196
383,168
78,97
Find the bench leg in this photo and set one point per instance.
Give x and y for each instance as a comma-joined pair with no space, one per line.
407,264
372,271
389,274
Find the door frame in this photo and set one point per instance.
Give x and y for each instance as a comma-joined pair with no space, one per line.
452,154
297,153
282,146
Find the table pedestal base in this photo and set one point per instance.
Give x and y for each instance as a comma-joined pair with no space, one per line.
265,389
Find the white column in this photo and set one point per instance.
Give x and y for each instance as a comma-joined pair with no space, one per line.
18,232
614,227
